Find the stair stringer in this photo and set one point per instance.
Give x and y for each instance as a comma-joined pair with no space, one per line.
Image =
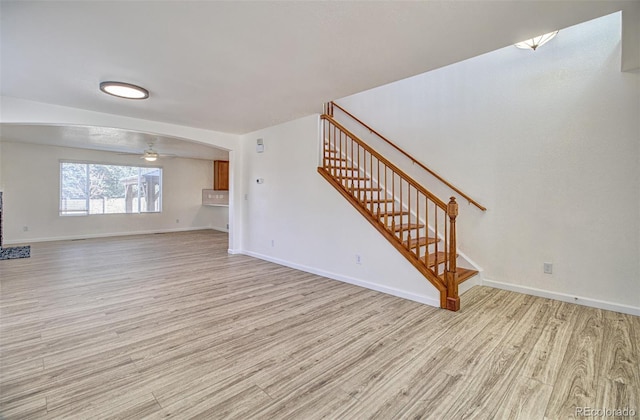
463,260
392,238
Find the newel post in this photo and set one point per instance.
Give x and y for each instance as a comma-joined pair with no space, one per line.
453,300
329,108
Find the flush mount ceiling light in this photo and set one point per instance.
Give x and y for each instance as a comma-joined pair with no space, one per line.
124,90
537,41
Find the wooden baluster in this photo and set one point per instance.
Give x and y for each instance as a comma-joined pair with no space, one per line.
394,218
418,220
336,146
330,129
351,171
333,147
354,165
386,212
453,300
393,198
370,205
371,182
363,192
325,123
379,186
341,154
435,226
358,165
336,135
408,217
426,224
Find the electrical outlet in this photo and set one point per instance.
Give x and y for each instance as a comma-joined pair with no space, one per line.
358,259
548,268
177,220
273,243
25,228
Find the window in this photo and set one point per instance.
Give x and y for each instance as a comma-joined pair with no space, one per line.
89,188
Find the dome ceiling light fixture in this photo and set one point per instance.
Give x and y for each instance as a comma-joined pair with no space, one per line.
124,90
537,41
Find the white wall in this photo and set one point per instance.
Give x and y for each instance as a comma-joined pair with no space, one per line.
549,141
1,179
31,184
311,225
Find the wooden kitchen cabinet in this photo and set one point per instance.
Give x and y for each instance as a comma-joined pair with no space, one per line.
221,175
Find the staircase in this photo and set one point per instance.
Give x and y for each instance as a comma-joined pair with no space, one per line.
417,223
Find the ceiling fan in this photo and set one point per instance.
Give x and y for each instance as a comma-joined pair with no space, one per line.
151,155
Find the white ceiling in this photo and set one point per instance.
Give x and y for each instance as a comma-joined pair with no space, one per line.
240,66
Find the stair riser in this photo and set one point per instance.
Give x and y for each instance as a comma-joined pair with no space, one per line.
338,172
363,195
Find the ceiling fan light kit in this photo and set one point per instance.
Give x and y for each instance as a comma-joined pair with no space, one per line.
150,156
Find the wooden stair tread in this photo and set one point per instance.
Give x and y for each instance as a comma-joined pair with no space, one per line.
463,274
378,200
392,213
435,258
423,241
335,158
340,168
356,178
365,189
406,226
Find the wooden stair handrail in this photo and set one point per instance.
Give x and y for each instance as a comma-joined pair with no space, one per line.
381,158
374,185
417,162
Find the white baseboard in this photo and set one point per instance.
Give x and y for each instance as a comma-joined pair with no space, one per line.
104,235
594,303
427,300
468,284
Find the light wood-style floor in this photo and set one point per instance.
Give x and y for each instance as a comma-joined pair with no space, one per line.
171,325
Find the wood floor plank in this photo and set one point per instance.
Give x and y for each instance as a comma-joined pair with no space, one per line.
223,401
33,407
498,368
618,385
171,325
548,352
577,380
525,400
